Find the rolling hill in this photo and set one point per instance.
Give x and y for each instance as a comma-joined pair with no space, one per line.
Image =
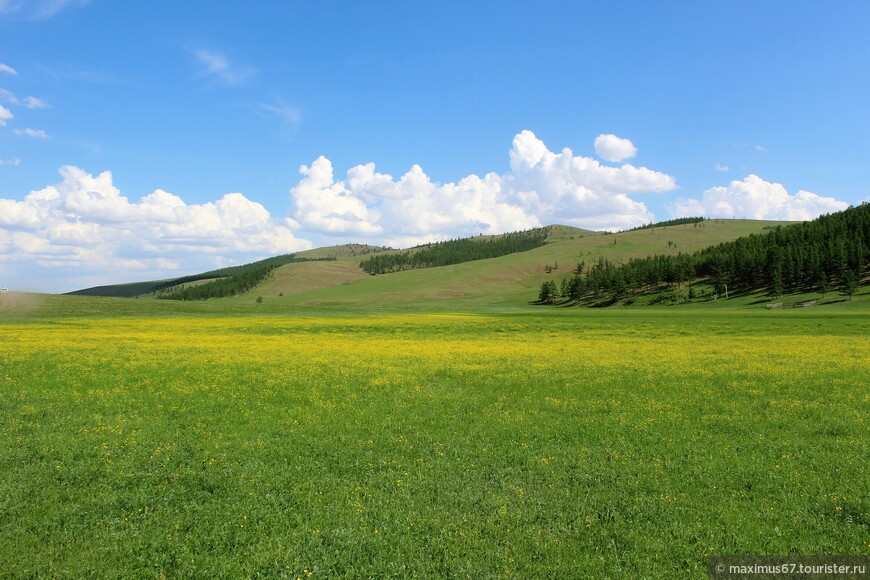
336,281
512,280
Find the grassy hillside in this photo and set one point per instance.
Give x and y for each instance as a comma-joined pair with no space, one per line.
309,277
506,282
459,251
513,280
342,251
130,290
230,276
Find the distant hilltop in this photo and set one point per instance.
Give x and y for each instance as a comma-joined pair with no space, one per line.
689,260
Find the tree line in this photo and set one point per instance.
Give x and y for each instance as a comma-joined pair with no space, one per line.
455,252
220,288
832,251
666,223
227,281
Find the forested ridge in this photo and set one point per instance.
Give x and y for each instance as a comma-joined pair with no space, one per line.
666,223
830,252
456,252
226,281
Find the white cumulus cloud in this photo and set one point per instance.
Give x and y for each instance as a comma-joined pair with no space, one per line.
5,68
83,226
560,187
325,205
5,115
755,198
612,148
542,187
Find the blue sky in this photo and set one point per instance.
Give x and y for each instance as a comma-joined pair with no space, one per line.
147,140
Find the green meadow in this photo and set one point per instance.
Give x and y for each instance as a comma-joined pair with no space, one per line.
229,438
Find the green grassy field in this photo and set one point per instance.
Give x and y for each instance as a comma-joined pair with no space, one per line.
227,438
